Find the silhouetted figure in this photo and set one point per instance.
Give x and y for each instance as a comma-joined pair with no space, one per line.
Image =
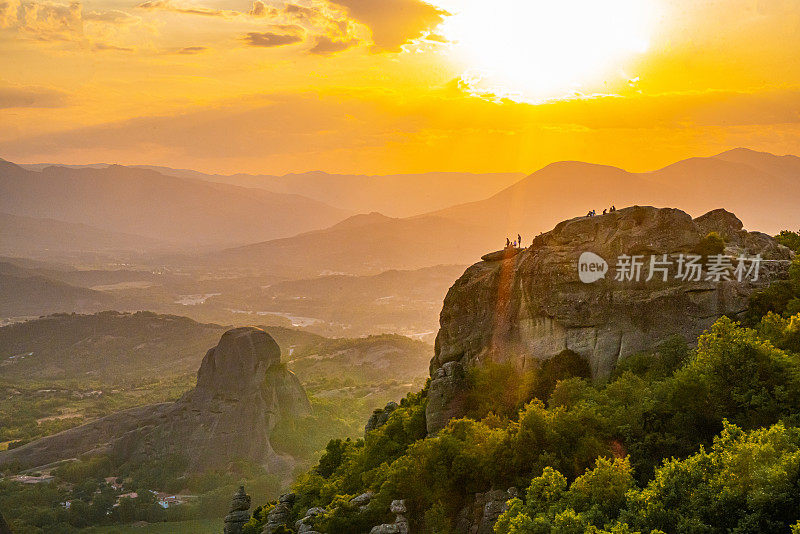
508,242
604,212
613,208
519,239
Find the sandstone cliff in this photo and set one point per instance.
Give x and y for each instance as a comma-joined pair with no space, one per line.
529,305
242,392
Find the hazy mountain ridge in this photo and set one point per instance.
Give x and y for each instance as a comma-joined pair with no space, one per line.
50,238
142,202
461,234
398,195
737,180
353,247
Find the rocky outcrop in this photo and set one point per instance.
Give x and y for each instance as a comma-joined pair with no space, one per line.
242,392
400,525
239,513
304,525
482,514
529,306
280,515
379,417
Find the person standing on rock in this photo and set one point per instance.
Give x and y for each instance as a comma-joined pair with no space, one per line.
519,240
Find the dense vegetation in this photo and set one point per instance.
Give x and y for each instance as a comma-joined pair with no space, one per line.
676,440
144,358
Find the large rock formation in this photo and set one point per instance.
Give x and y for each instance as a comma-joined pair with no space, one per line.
524,307
242,391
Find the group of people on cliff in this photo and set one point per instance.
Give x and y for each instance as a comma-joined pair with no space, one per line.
514,244
518,242
607,210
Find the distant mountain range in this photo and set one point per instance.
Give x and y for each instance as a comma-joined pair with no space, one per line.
146,204
397,195
295,236
762,188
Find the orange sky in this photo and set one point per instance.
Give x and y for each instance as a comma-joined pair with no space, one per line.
384,86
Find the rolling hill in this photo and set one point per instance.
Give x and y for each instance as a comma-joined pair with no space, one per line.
365,244
25,293
48,238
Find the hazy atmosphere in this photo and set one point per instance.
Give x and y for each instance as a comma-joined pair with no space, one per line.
393,266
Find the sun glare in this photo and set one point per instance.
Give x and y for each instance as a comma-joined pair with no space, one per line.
533,50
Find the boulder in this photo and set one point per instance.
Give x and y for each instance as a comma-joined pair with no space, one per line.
530,306
242,392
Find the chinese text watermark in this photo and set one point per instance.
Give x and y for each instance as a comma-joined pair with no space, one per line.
665,267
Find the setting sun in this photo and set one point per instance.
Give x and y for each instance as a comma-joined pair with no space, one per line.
533,51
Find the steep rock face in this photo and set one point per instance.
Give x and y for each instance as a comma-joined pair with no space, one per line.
529,306
242,392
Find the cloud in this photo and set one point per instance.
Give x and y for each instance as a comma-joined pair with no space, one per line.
9,13
190,50
111,17
270,39
49,21
324,45
106,46
393,22
325,26
31,97
260,9
167,5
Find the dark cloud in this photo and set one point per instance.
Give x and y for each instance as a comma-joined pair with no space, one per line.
106,46
393,22
270,39
189,50
31,97
324,45
302,12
